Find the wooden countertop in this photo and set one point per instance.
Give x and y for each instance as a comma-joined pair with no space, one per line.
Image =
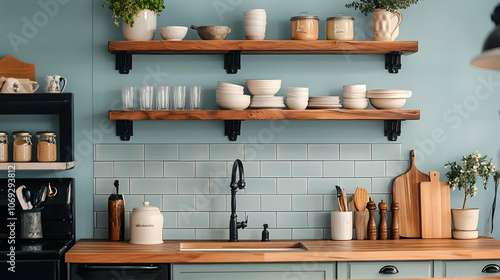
101,251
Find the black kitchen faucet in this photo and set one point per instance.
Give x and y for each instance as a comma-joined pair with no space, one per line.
234,225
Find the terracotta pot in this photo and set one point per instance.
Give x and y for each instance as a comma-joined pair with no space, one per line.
144,27
386,25
465,219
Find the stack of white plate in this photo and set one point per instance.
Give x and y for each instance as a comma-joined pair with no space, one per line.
255,24
264,92
324,102
231,97
297,98
354,97
388,98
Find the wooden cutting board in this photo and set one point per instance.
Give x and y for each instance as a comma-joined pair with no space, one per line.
406,191
435,208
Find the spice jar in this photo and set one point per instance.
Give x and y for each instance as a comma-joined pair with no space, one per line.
305,27
22,146
46,146
340,28
4,146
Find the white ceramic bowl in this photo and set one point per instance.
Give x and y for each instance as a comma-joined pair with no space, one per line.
256,22
257,11
304,95
357,104
387,103
173,33
354,94
263,81
271,90
229,85
297,89
233,105
296,104
389,93
354,87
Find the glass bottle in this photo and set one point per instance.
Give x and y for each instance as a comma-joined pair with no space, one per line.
46,146
22,146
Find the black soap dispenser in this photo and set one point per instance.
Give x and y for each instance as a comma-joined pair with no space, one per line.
265,233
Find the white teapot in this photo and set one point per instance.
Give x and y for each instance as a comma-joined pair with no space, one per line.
13,85
55,84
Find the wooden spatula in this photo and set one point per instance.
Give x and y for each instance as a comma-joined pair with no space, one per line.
360,199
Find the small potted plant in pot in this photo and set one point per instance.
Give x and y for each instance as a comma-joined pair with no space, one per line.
139,17
464,176
386,18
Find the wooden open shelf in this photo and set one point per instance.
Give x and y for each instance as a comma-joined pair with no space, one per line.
233,49
37,165
233,118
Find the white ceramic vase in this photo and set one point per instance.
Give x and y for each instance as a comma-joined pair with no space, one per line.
386,25
144,27
465,223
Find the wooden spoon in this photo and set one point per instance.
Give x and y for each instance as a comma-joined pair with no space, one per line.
360,198
344,199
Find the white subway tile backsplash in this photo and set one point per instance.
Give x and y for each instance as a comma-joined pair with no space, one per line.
154,200
179,169
249,234
307,168
119,152
369,168
386,151
178,203
323,151
132,201
220,185
280,234
382,185
101,203
211,169
260,151
128,169
103,169
153,169
100,233
101,220
355,151
227,151
106,185
276,203
292,219
350,184
330,202
318,219
258,219
338,169
169,219
292,151
307,202
179,234
210,202
193,220
291,186
193,186
161,152
307,233
260,186
322,185
246,203
153,186
396,168
276,169
219,219
194,152
251,168
213,234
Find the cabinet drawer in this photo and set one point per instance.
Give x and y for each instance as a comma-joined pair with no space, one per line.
471,268
385,270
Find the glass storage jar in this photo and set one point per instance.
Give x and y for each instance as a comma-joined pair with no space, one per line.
46,147
340,28
305,27
22,146
4,146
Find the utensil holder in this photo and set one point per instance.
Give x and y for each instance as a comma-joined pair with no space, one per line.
31,224
341,225
361,224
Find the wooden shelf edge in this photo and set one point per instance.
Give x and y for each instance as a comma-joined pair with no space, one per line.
37,165
340,114
263,47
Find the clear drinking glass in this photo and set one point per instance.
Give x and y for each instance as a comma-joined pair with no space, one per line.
179,94
128,94
162,98
146,97
195,97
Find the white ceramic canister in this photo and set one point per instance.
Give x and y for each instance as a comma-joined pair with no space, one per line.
146,224
340,28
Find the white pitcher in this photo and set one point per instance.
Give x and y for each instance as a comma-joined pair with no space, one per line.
386,25
56,84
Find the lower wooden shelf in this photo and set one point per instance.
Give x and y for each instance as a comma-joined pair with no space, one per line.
15,166
233,118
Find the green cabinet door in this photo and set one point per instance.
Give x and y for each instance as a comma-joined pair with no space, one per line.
385,270
254,271
470,268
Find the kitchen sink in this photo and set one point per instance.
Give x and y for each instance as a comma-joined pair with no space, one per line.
243,246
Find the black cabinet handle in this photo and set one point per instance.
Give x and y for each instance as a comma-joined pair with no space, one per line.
491,268
120,267
389,269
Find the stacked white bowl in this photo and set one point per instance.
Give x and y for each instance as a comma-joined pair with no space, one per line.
297,98
231,97
354,97
255,24
264,92
324,102
388,98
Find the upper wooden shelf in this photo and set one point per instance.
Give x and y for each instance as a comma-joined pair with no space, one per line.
233,49
392,118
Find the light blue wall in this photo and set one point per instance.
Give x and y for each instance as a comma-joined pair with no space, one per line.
459,111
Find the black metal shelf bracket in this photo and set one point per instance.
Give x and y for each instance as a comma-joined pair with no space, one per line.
123,62
232,129
124,129
393,62
392,129
232,62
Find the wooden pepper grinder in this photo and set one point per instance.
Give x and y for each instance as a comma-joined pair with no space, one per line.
382,226
116,215
372,226
395,220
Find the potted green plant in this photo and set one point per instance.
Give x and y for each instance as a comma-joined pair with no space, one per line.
139,17
464,175
386,18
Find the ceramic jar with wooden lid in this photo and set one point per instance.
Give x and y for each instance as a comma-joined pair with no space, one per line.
305,27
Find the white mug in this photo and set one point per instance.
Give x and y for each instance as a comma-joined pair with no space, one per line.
341,225
386,25
56,84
